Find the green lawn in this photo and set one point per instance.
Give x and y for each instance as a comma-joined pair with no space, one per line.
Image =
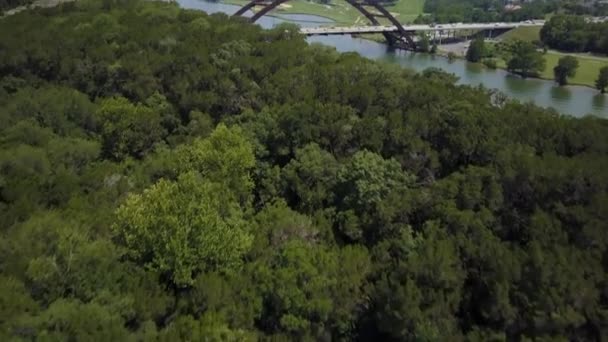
586,74
407,10
339,11
589,65
526,33
343,13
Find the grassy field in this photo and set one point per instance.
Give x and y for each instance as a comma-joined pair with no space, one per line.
529,34
340,12
586,74
343,13
589,65
407,10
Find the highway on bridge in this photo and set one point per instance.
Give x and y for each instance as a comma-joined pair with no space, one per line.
328,30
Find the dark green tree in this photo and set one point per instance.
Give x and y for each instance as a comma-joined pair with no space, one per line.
602,80
424,43
525,60
476,50
565,68
127,129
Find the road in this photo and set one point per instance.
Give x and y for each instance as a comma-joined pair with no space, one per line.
311,31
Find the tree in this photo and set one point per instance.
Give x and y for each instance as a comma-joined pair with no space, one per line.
476,50
183,228
64,110
14,301
311,177
69,319
297,284
365,188
565,68
195,223
209,327
602,80
416,300
225,157
128,129
525,60
565,32
424,43
574,33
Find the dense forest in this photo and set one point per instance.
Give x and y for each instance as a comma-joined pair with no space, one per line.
168,175
573,33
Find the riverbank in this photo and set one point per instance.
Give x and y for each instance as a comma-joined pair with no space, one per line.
586,74
589,66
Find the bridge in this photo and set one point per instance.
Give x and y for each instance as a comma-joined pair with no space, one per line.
312,31
371,9
396,34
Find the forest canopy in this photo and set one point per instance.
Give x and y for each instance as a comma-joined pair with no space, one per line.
170,175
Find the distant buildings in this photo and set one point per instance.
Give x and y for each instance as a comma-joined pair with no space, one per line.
512,7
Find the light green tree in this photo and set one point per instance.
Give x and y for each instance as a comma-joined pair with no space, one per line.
368,178
184,227
226,158
195,223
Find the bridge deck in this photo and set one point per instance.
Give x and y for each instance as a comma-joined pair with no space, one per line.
311,31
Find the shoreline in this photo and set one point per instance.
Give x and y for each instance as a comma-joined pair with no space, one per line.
570,84
444,54
376,38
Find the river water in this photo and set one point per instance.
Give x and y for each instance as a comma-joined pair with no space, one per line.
572,100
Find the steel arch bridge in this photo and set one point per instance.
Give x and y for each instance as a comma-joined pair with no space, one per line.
371,9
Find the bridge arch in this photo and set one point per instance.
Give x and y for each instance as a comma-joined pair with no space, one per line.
371,9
